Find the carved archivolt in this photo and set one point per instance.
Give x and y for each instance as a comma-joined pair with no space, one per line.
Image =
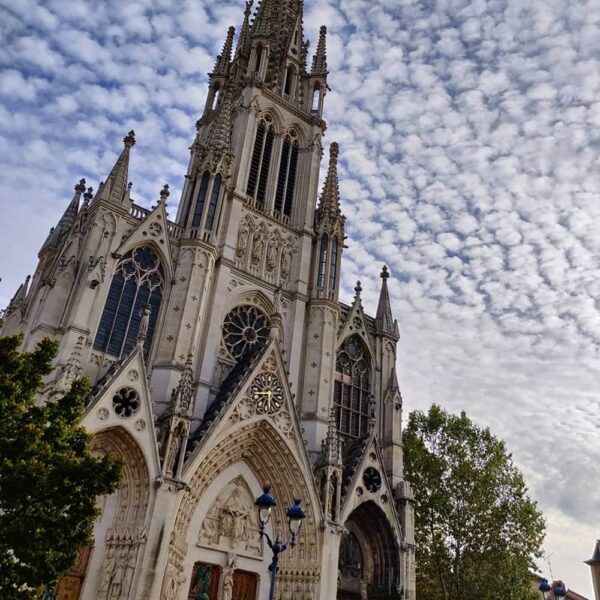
126,537
259,445
231,522
265,250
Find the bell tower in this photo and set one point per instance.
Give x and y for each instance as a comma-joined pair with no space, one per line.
246,220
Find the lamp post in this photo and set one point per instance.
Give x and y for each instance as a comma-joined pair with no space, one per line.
559,590
295,515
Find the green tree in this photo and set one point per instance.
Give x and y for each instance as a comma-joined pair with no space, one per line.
478,533
48,479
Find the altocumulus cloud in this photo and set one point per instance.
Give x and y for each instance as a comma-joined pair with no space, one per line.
469,135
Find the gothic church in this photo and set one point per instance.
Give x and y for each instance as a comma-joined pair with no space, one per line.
222,358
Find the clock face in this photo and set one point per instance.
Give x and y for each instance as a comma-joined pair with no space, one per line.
266,390
372,479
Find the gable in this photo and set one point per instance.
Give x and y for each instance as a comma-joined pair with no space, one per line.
154,231
122,399
364,480
356,324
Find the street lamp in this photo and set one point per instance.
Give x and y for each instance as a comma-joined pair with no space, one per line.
295,515
545,588
560,590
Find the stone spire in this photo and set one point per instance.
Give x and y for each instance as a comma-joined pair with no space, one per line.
329,204
182,397
18,300
263,20
319,63
115,187
220,138
67,220
384,320
224,59
243,45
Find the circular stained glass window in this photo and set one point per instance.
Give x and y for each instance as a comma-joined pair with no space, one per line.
245,329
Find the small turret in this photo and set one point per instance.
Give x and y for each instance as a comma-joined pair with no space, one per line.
224,59
115,188
318,76
66,221
384,320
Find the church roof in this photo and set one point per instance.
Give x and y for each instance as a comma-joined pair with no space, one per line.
352,454
227,391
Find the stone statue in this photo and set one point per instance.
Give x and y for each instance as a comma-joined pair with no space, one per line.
286,259
258,245
228,573
243,237
272,254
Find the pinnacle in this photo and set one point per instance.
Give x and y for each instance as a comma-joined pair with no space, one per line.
242,46
319,64
384,319
115,188
330,198
224,59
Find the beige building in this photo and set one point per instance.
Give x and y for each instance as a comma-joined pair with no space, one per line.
222,357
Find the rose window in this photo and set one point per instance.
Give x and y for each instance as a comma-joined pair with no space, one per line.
126,402
245,329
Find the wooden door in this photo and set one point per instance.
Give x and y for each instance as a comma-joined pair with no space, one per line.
245,585
69,586
204,576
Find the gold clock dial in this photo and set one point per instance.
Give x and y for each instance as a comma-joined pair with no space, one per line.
266,390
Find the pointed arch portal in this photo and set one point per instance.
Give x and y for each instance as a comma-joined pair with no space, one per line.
270,458
369,560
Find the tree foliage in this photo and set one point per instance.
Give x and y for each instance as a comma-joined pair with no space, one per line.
477,531
48,479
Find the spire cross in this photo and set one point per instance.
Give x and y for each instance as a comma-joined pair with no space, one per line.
129,139
385,274
80,187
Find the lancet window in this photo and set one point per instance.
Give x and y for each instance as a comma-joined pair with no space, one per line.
323,261
333,265
286,181
261,161
138,282
201,199
214,203
352,389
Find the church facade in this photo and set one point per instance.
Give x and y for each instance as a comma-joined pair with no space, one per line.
222,358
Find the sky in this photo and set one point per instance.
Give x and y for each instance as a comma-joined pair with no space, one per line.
469,133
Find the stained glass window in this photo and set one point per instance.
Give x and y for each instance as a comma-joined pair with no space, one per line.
201,200
245,329
322,261
352,390
138,282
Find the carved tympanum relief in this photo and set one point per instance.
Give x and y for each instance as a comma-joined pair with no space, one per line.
231,522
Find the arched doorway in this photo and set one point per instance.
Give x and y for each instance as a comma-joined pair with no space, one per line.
106,568
369,562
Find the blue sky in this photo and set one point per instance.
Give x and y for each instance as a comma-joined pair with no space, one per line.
469,135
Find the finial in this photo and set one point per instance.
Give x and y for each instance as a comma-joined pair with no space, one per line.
164,193
358,288
129,139
385,274
129,186
334,151
80,187
89,194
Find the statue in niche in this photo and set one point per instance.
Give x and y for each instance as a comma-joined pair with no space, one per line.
258,245
286,259
272,254
234,517
243,238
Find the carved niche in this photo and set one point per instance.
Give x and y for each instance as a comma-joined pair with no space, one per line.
231,522
265,250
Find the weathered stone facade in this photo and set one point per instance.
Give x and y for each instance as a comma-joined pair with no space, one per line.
222,357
